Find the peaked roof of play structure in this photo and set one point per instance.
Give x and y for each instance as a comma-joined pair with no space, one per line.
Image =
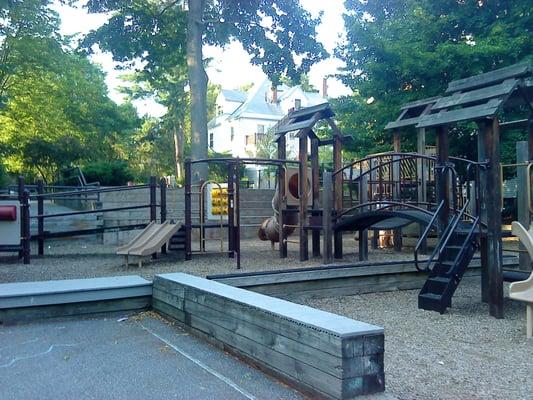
304,119
473,98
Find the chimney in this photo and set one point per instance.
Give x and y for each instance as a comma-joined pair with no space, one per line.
325,88
274,93
297,104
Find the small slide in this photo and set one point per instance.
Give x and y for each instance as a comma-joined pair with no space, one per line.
149,241
523,290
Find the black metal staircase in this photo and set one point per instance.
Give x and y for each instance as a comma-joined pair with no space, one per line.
449,261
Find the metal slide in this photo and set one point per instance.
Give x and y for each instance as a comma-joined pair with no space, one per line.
149,241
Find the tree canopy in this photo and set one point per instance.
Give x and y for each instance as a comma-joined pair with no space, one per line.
55,111
402,50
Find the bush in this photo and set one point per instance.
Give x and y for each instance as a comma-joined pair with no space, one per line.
4,177
108,173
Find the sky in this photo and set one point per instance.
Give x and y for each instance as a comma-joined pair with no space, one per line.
225,61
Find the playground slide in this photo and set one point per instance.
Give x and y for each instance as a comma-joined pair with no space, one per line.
523,290
145,233
149,241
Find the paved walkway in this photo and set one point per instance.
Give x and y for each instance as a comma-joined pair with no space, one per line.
142,357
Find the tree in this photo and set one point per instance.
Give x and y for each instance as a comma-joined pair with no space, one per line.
402,50
55,108
273,32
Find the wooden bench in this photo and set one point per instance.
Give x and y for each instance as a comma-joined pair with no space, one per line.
319,352
24,301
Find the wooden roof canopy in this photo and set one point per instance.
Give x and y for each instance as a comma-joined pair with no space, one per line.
477,97
304,120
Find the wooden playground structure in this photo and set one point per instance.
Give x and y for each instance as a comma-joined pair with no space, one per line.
459,199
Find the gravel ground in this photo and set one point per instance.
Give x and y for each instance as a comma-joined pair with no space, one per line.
69,259
463,354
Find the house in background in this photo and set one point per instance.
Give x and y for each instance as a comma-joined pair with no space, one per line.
244,118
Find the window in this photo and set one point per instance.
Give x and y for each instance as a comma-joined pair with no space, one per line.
297,104
211,140
232,134
250,139
260,129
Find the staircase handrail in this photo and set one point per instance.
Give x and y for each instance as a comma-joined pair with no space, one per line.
463,247
425,234
456,221
446,236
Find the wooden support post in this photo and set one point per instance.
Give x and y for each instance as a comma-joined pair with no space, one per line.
282,155
338,191
315,168
327,203
442,176
163,206
491,201
231,210
303,190
188,211
421,172
396,177
40,218
363,234
482,213
522,198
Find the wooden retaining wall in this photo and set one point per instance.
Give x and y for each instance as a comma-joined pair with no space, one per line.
340,280
322,353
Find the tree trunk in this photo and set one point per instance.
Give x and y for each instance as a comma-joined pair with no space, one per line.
178,151
198,87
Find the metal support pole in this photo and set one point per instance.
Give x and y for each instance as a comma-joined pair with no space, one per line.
442,176
396,177
163,206
188,216
303,192
25,226
231,210
422,176
40,218
153,199
237,228
522,197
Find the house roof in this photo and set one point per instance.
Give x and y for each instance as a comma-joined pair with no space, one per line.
234,95
257,104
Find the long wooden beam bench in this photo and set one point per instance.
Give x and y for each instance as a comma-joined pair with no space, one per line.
319,352
25,301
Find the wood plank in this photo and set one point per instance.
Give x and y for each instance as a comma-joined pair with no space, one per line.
26,314
324,108
474,96
517,124
402,123
313,337
295,126
489,78
489,109
419,103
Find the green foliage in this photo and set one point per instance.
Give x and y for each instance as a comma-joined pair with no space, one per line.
398,51
272,32
56,111
108,173
4,177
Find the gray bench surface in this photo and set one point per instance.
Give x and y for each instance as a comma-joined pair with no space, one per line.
332,323
27,294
